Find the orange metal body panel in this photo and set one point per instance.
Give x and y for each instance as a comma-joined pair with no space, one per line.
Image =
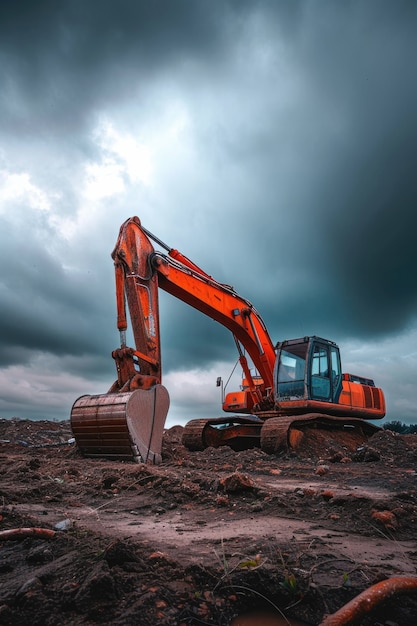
239,401
356,396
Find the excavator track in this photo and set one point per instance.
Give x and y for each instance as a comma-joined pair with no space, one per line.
284,433
273,435
237,431
122,426
193,434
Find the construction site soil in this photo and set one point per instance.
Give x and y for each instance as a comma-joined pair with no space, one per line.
204,536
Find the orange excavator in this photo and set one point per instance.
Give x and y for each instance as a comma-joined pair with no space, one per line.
298,382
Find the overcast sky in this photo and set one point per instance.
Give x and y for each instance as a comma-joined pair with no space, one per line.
272,142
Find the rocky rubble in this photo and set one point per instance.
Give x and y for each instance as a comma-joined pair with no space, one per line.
206,535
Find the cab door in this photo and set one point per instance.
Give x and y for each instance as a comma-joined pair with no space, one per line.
325,372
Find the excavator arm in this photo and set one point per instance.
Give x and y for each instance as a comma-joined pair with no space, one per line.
136,284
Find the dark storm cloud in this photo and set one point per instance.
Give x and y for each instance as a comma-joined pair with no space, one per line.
366,203
341,240
43,306
192,338
300,191
59,59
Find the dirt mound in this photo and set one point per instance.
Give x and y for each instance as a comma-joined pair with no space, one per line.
205,535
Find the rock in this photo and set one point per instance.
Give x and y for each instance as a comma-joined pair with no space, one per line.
63,525
98,587
119,553
40,554
237,482
387,518
32,584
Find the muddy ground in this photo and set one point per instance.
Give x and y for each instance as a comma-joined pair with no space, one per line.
204,536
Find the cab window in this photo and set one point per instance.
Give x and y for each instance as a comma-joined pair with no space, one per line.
320,374
291,373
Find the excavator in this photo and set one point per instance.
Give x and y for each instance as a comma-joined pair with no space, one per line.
286,388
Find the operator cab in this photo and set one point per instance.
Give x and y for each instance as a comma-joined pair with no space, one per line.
308,368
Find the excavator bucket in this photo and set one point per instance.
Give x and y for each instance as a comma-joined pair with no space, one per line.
123,426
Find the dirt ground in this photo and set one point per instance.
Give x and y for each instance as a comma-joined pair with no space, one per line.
204,536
